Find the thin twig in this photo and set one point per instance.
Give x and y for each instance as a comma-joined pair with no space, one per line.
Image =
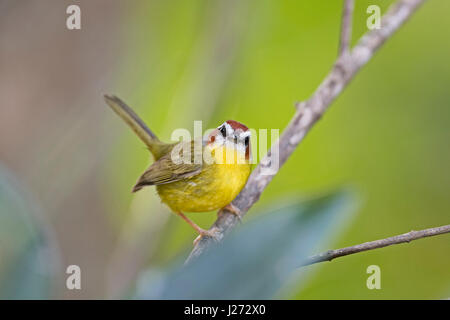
346,27
344,69
402,238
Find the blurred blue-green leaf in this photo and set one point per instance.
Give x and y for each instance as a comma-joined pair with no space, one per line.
27,263
255,260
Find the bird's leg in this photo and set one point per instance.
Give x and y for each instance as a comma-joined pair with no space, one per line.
202,232
233,209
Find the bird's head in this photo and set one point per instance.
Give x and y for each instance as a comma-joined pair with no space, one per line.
232,135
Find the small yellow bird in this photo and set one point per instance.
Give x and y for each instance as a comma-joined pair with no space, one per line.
192,179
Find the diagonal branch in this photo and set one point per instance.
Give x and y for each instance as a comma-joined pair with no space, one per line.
346,27
366,246
308,112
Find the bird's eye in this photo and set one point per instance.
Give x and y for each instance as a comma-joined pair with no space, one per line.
247,141
223,130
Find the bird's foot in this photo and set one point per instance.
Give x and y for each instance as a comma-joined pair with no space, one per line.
233,209
212,233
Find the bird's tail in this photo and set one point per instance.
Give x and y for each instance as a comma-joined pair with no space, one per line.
157,147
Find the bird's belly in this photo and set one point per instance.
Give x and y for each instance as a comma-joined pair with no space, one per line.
212,189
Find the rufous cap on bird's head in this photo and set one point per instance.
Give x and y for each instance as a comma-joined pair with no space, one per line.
232,132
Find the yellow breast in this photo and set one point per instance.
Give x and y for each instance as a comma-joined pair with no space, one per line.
213,188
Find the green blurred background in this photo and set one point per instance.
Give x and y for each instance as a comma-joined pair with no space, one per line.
178,61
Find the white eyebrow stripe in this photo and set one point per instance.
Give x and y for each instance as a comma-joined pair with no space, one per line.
245,134
228,128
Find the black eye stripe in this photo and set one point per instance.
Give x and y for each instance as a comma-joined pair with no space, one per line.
223,130
246,141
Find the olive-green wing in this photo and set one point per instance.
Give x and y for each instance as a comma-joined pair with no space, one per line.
170,168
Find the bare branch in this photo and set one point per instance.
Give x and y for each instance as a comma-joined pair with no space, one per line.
402,238
344,69
346,27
